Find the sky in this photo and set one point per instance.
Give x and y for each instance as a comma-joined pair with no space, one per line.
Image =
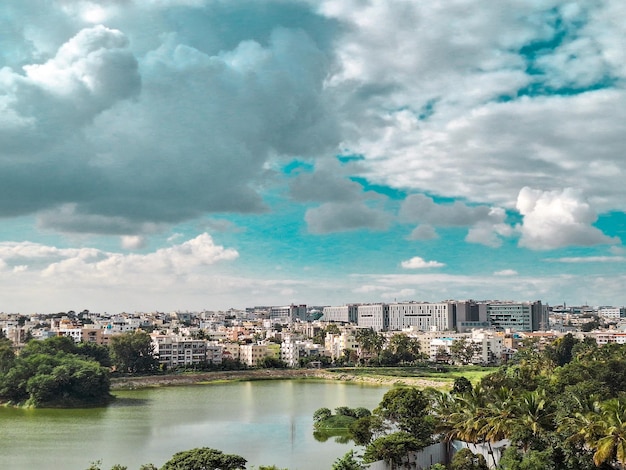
160,155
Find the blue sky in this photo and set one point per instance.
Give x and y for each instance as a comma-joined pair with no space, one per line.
206,154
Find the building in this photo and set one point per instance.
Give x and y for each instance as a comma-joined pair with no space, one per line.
292,349
176,351
336,344
518,316
288,314
343,314
252,354
612,313
375,316
423,316
470,315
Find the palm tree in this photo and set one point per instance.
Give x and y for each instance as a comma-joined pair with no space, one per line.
370,341
603,430
610,440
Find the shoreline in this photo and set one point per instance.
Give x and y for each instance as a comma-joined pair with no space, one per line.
197,378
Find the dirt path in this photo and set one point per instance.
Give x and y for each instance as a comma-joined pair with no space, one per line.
125,383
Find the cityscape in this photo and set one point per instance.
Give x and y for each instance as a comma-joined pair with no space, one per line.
312,234
292,333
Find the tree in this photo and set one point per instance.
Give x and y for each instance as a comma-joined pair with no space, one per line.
332,329
461,385
365,428
321,414
133,352
95,351
269,362
345,411
561,350
462,351
7,356
49,373
347,462
404,348
465,459
392,448
204,458
604,431
370,341
407,408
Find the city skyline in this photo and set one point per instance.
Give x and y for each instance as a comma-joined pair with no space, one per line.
203,154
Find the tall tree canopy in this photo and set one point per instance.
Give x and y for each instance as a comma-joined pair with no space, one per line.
133,353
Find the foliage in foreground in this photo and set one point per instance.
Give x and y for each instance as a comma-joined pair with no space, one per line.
561,408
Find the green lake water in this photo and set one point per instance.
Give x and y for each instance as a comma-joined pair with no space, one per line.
266,422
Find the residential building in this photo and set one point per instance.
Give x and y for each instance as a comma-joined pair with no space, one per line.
175,351
336,344
251,354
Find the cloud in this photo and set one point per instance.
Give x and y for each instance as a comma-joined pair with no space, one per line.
92,263
589,259
553,219
477,124
404,294
487,224
423,232
506,272
101,134
341,217
328,183
133,242
419,263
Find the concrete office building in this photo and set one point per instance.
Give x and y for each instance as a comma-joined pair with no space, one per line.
423,316
342,314
287,314
375,316
518,316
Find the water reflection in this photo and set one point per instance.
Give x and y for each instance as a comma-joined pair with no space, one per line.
268,423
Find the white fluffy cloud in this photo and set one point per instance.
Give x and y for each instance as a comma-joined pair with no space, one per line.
445,103
91,263
552,219
419,263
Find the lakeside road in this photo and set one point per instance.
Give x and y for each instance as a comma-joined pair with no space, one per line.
126,383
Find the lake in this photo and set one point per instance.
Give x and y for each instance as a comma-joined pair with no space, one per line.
266,422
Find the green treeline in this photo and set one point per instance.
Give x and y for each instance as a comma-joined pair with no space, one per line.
561,408
54,372
57,372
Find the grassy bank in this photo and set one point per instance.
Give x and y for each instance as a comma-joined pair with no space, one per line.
387,376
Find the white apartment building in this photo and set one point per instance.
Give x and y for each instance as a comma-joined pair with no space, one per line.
174,351
612,313
606,337
251,354
488,347
292,349
76,333
337,344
